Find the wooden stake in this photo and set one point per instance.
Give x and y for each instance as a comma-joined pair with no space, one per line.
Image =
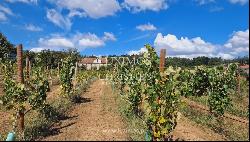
19,64
76,68
30,68
20,79
162,59
162,65
27,66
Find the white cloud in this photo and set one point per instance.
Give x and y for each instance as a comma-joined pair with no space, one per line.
138,38
239,42
183,45
137,52
4,11
3,17
37,49
79,41
53,43
33,28
91,8
191,56
23,1
109,36
203,2
242,2
142,5
146,27
87,8
237,45
56,42
225,56
90,40
56,18
73,13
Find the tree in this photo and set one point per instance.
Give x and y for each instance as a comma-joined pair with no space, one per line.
201,61
6,48
215,61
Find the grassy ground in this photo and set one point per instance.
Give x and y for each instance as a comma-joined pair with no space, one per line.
230,129
237,108
136,127
39,124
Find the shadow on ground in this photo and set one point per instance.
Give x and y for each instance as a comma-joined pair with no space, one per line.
80,100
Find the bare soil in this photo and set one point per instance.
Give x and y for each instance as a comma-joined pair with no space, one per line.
54,93
92,119
190,131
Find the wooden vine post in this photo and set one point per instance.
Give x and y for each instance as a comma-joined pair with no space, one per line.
162,64
162,59
27,66
20,79
30,68
75,80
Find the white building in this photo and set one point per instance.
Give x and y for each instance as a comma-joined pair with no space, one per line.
91,63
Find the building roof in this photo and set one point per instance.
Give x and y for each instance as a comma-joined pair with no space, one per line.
104,60
91,60
245,67
87,60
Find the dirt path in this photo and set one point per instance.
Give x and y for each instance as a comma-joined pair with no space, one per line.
94,119
190,131
54,93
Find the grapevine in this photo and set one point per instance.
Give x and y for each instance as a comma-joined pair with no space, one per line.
66,76
22,97
153,93
221,81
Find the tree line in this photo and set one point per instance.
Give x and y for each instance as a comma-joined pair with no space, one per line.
52,58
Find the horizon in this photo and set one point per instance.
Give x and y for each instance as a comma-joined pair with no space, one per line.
186,29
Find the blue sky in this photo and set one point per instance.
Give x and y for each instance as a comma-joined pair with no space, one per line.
186,28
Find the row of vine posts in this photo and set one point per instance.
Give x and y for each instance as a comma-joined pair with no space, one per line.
20,79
